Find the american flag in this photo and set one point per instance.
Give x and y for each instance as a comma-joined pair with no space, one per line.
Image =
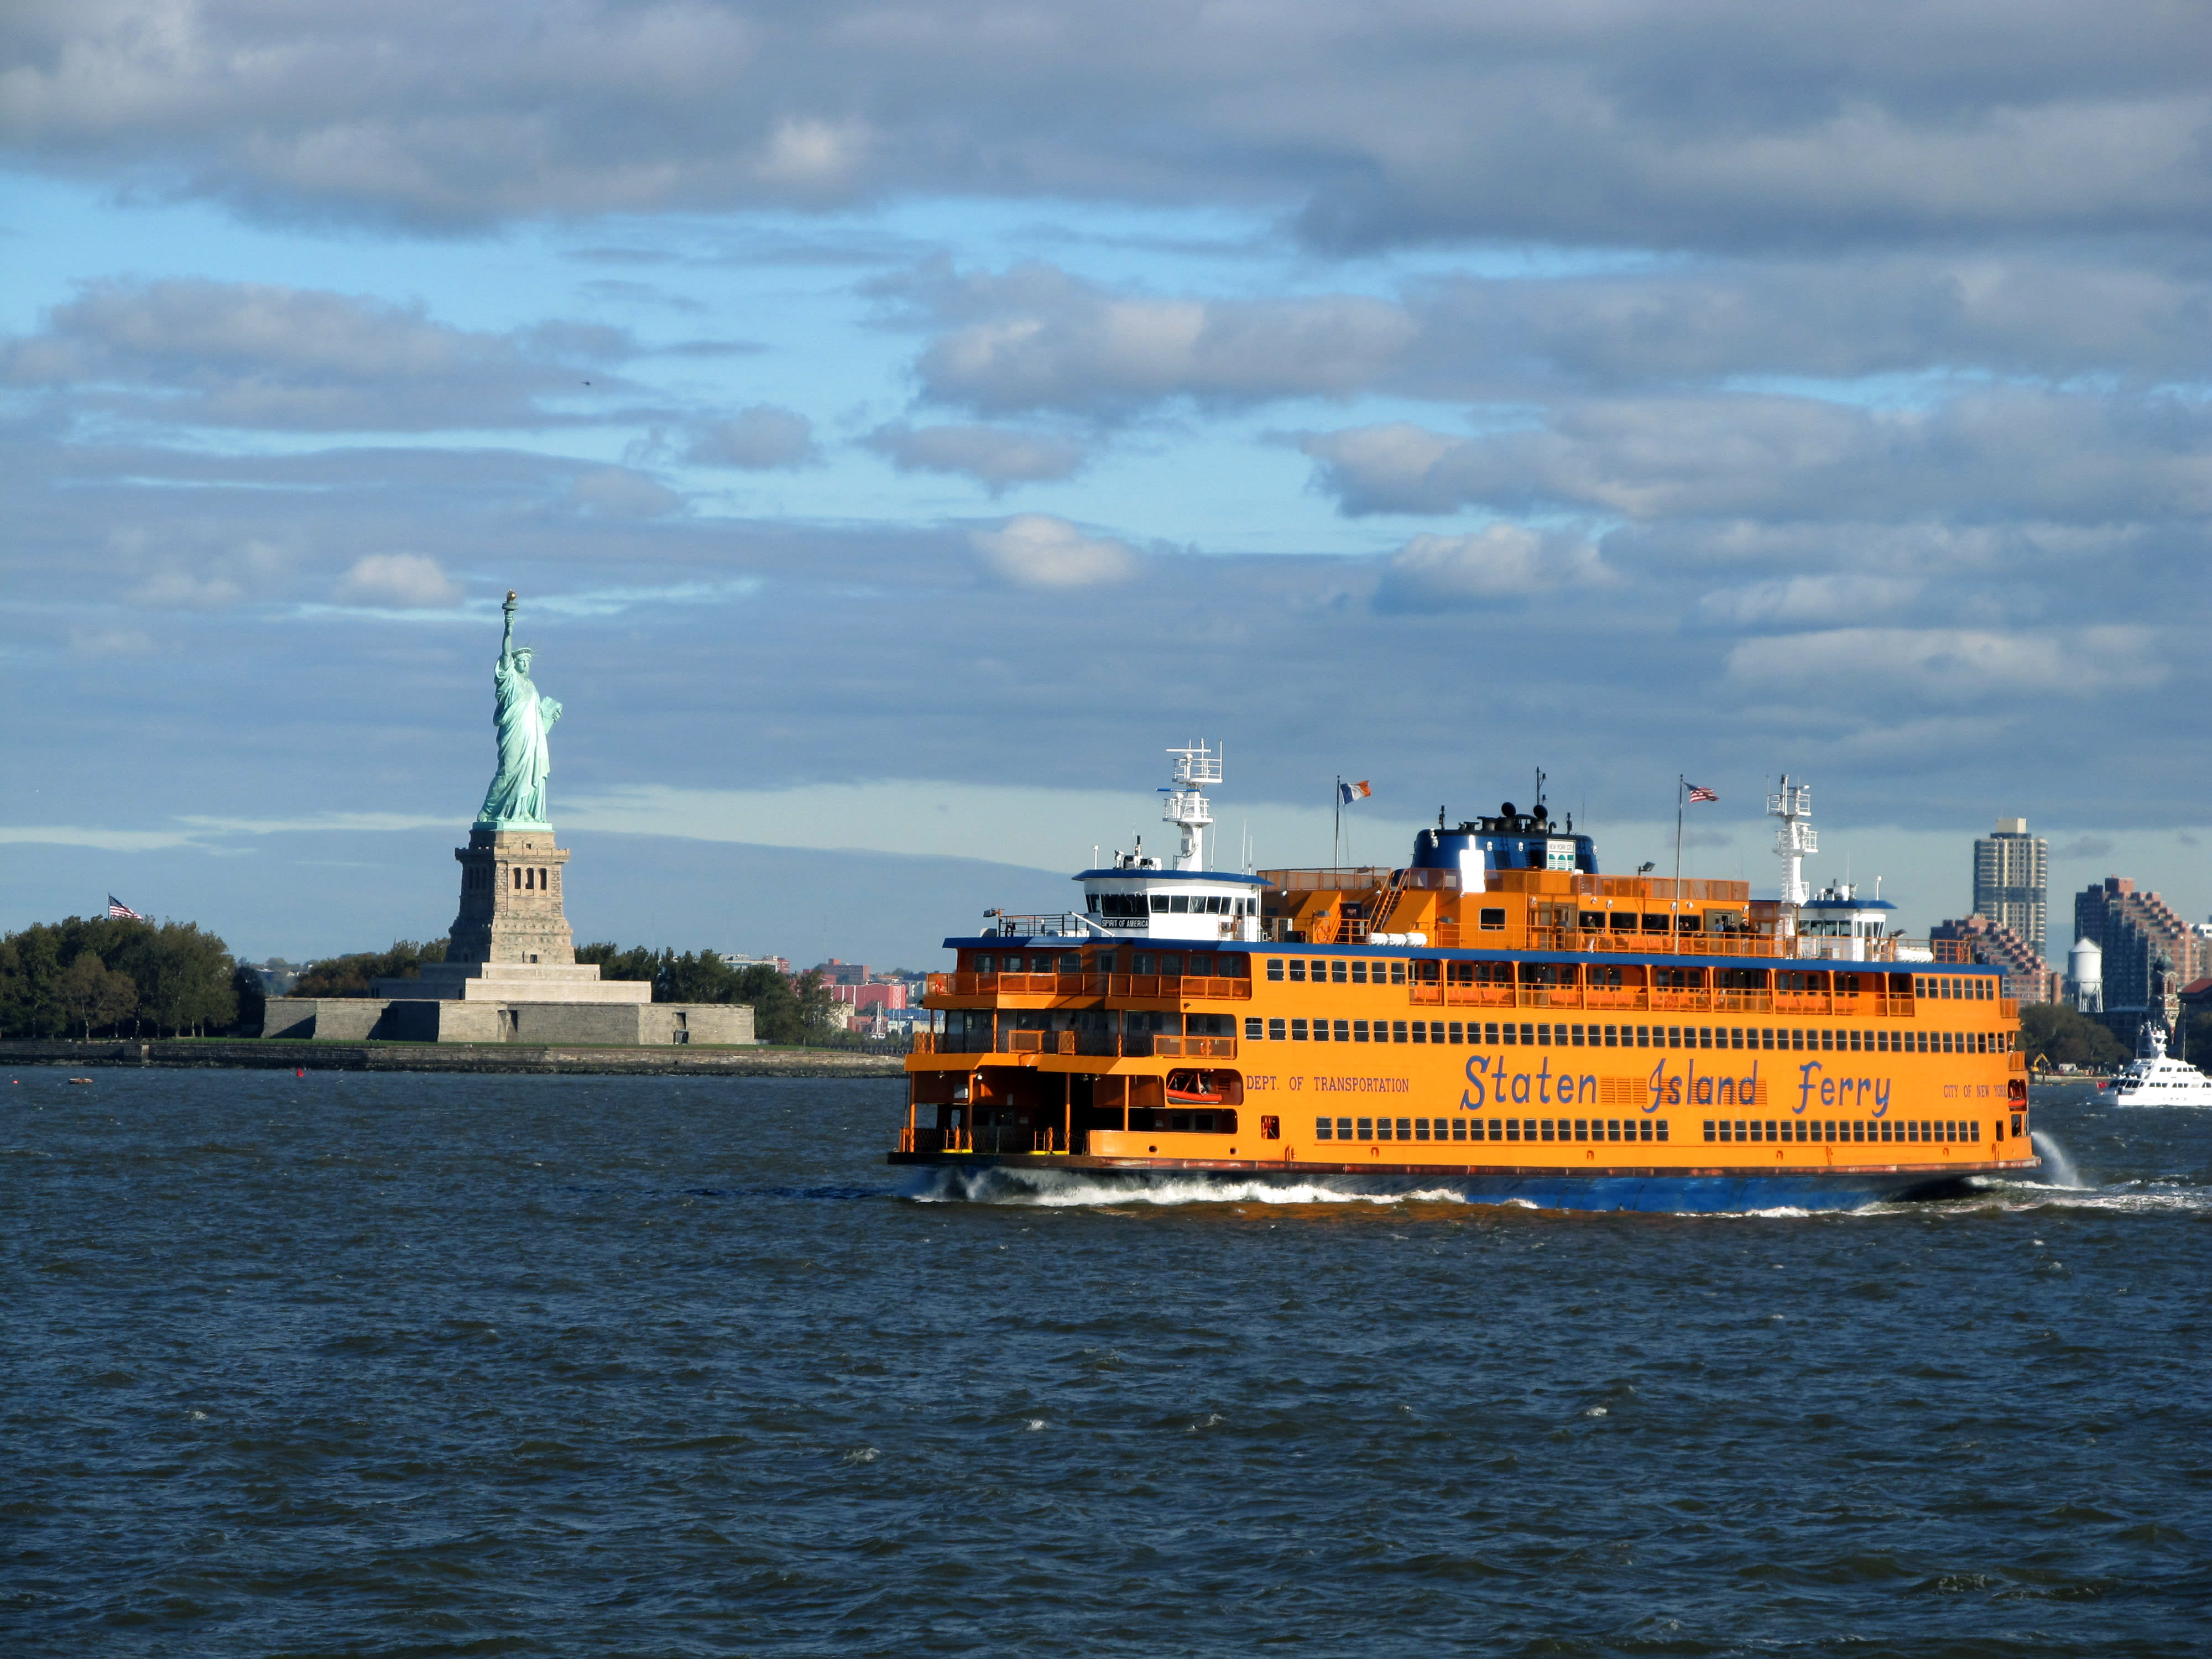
119,911
1698,792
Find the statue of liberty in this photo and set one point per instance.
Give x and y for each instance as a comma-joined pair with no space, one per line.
516,799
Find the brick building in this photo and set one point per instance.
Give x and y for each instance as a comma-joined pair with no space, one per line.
2028,977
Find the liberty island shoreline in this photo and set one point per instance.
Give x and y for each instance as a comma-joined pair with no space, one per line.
268,1054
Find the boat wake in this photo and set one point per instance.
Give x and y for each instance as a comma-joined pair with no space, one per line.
1073,1189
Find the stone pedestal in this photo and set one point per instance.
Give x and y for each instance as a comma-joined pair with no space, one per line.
511,908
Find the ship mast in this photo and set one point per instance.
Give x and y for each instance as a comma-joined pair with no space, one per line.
1187,807
1793,804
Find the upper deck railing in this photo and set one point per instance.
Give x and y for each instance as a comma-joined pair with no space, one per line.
1141,987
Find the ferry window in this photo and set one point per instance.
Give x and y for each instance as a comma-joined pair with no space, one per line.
1360,973
1336,971
1547,1129
1612,1036
1202,966
1359,1031
985,962
1459,973
1397,973
1421,1128
1344,1128
1297,1031
1320,1031
1490,1032
1253,1028
1397,1030
1343,1031
1705,1038
1513,1129
1512,1033
1171,965
1662,1129
1692,922
1590,919
1275,970
1275,1029
1458,1034
1582,1129
1974,1130
1494,920
1160,902
1367,1129
1298,968
1708,1128
1612,1129
1459,1128
1643,1036
1323,1129
1421,1031
1544,1034
1140,961
1071,962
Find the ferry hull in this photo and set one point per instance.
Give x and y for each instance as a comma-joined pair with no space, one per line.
1667,1191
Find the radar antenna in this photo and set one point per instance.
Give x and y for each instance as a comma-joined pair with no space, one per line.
1793,804
1186,806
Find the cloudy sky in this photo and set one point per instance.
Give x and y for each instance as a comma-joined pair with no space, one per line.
904,421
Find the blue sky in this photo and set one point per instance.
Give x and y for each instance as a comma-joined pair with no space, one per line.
904,425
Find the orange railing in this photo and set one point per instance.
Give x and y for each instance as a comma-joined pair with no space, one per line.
1162,987
1191,1048
1632,998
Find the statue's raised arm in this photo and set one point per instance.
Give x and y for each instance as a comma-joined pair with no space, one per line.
524,720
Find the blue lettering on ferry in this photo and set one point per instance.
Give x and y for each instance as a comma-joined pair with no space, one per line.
1544,1083
1849,1092
1472,1098
1521,1088
1805,1084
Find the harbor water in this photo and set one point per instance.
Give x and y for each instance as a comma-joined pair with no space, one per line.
459,1365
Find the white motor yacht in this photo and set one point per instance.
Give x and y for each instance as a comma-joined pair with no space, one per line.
2155,1078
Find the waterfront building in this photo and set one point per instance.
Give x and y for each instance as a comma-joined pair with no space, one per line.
2012,881
2148,953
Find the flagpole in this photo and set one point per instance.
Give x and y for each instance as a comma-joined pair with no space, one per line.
1336,827
1674,911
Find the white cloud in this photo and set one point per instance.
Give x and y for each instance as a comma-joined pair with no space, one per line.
758,439
1953,663
1034,549
1788,600
399,582
993,456
1501,563
616,492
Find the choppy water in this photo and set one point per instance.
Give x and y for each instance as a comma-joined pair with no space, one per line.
433,1365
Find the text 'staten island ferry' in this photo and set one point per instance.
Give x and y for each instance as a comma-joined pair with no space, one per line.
1495,1020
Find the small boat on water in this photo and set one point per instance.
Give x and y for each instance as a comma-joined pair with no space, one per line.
2155,1078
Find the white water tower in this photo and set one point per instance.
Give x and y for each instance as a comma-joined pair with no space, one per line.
2085,976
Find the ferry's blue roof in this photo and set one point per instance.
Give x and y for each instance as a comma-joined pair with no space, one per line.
1846,905
1170,875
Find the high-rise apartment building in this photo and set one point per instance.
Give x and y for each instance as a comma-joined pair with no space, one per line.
2012,881
2150,952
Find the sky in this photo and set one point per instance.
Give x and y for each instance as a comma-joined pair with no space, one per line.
902,424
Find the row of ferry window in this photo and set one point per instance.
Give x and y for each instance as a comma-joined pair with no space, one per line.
1491,1128
1554,1035
1338,970
1915,1130
1201,964
1172,904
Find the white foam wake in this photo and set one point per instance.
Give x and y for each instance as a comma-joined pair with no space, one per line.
1057,1189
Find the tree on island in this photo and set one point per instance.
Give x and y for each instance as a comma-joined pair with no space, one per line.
179,979
2053,1034
355,975
785,1012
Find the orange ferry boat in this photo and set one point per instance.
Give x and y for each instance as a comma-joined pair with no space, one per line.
1495,1020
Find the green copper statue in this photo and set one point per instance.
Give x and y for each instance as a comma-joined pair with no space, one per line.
516,800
